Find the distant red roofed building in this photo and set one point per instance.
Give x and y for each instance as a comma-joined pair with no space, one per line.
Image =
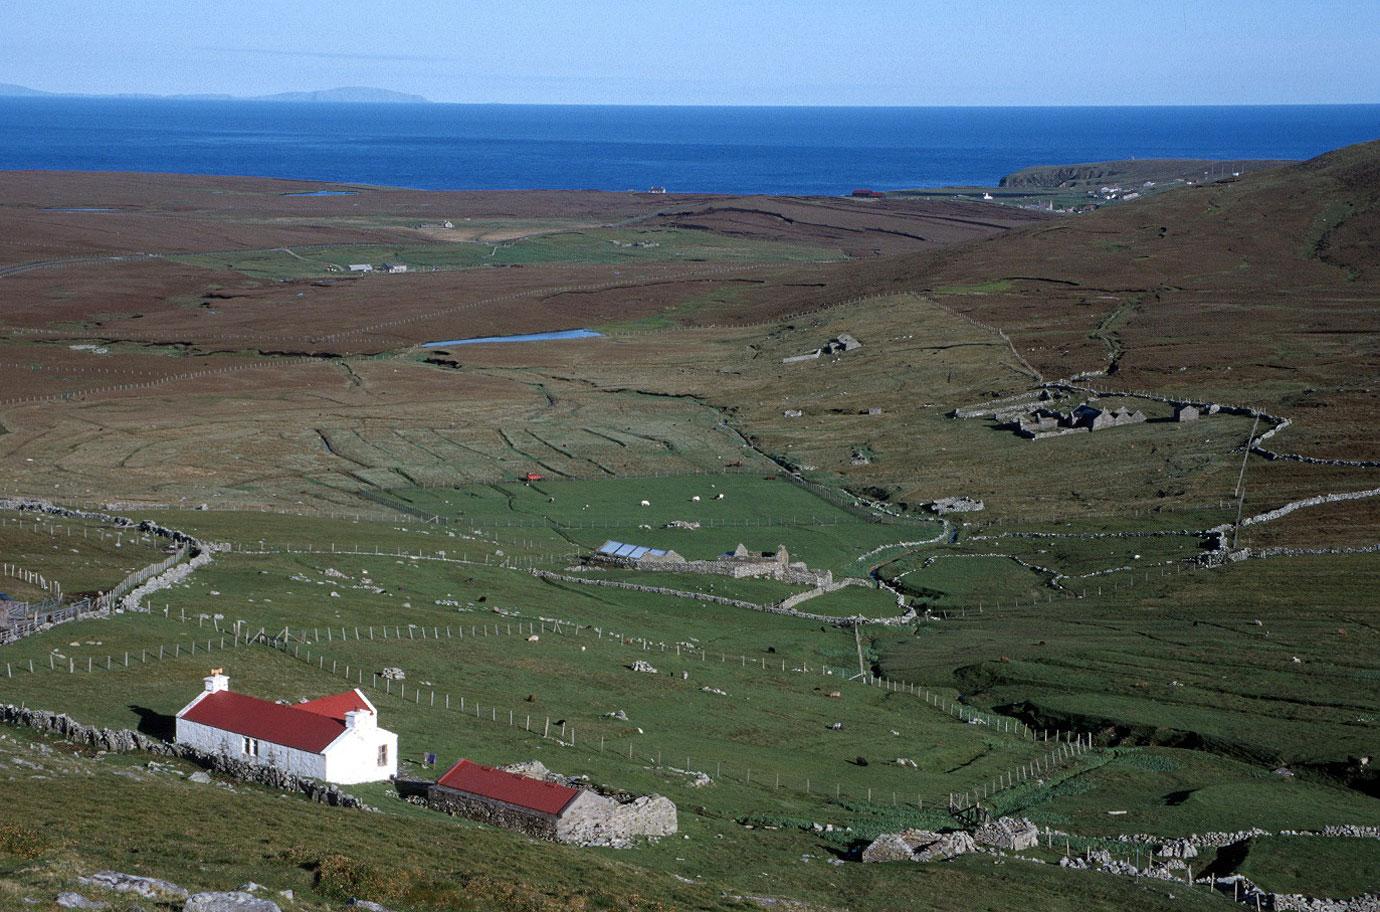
334,738
864,193
549,810
535,476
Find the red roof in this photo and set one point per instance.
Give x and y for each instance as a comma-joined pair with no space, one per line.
336,706
510,788
289,726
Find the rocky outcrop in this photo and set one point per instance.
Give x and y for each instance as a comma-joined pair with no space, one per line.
918,845
234,901
147,887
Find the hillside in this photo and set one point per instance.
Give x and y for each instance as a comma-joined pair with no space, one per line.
1150,638
1130,172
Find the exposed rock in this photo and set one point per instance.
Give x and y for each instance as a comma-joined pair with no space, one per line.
393,674
918,845
77,901
644,667
147,887
235,901
200,776
367,905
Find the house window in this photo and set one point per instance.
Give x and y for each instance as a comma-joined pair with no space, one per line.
383,755
251,747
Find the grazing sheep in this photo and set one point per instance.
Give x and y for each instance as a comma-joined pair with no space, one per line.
533,638
646,503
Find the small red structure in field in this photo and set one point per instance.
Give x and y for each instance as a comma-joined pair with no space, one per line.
864,193
534,476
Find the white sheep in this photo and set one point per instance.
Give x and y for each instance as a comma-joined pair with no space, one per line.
646,503
695,499
533,638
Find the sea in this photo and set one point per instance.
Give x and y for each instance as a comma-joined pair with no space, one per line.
777,150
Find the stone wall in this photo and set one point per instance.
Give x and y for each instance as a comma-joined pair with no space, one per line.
495,813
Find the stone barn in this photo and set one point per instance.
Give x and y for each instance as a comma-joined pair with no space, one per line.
547,809
334,739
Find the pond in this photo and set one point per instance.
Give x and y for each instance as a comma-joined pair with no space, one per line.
525,337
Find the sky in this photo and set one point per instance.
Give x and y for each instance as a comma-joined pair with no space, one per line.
710,52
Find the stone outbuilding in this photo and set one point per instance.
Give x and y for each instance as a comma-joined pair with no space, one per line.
551,810
1186,413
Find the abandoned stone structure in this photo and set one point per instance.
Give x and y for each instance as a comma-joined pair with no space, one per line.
955,505
1008,834
738,563
546,806
841,343
1186,413
1044,422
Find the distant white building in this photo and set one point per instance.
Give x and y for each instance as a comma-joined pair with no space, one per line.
360,267
394,267
334,738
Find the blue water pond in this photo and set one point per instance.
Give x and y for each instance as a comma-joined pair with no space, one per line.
525,337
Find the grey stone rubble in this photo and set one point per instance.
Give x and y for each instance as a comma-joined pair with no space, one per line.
644,667
1012,834
918,845
71,900
366,905
147,887
125,741
956,505
234,901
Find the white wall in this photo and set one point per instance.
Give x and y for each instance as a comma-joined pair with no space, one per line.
353,757
217,741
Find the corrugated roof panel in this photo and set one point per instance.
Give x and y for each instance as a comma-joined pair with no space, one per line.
610,547
625,550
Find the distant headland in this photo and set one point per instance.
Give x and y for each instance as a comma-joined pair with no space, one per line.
343,95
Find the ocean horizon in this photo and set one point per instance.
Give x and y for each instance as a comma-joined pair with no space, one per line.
734,149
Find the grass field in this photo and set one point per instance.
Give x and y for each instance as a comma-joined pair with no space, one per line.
611,247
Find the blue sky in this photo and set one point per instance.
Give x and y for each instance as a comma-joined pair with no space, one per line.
810,52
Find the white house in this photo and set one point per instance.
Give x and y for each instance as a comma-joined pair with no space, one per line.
360,267
334,738
394,267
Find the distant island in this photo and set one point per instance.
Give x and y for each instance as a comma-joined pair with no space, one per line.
342,95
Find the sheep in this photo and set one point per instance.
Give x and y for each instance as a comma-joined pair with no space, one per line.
646,503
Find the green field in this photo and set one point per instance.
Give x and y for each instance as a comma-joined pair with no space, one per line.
601,246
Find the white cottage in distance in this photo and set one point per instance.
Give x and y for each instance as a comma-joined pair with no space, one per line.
335,738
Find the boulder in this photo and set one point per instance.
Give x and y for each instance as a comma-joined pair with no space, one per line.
888,847
77,901
147,887
918,845
235,901
367,905
644,667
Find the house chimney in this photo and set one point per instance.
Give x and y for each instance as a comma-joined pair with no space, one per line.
217,681
360,720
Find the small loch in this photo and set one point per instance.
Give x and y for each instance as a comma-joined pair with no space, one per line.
553,336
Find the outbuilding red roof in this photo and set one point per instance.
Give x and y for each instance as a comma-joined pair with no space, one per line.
290,726
510,788
336,706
